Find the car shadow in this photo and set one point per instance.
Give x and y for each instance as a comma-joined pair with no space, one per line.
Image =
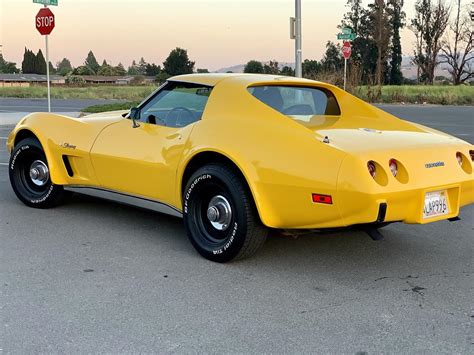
331,254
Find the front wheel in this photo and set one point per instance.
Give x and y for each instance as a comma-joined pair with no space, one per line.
30,176
220,216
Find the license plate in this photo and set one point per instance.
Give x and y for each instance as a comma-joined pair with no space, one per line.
436,204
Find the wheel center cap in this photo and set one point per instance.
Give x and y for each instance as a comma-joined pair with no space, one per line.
34,173
219,212
39,173
213,214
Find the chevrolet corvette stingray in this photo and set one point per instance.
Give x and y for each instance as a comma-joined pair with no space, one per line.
235,155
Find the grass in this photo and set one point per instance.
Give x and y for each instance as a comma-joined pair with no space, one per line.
111,107
442,94
129,93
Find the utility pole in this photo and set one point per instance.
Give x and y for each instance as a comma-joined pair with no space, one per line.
298,54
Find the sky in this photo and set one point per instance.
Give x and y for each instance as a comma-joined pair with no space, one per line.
216,33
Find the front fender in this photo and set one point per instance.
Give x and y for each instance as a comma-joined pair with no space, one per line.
63,136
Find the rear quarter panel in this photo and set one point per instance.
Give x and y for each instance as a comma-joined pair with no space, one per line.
283,162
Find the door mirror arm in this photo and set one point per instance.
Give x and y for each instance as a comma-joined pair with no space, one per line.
134,116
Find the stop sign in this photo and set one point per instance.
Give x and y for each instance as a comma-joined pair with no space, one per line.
44,21
346,50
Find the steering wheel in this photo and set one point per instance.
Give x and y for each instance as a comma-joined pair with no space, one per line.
179,110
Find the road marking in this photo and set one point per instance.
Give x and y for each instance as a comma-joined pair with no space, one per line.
6,164
4,138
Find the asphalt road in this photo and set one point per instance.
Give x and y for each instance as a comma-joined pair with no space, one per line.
93,276
41,105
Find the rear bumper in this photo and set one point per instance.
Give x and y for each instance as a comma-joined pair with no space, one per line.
405,206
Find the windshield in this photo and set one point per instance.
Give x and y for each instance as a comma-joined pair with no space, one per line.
299,103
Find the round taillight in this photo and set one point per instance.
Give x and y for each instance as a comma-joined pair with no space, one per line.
459,158
393,167
372,168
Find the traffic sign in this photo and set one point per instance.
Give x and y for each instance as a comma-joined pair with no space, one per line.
46,2
346,30
346,50
346,36
44,21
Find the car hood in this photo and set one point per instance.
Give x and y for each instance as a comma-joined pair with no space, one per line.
103,117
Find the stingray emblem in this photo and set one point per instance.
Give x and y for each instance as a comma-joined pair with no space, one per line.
68,146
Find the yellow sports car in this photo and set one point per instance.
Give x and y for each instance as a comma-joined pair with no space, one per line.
235,155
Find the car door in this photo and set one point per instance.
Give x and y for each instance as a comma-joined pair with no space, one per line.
143,160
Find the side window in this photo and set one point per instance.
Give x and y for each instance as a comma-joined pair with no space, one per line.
176,105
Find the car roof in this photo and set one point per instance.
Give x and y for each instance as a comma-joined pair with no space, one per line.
212,79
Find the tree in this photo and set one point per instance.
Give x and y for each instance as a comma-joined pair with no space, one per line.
40,63
152,69
202,71
396,22
178,63
381,36
64,67
311,68
332,60
52,69
91,62
271,68
133,69
120,70
142,65
7,67
457,49
83,70
253,66
429,25
364,47
352,19
288,71
28,63
106,70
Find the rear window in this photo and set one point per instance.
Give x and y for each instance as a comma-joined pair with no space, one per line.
300,103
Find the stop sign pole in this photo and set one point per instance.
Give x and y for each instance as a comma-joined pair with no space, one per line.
45,22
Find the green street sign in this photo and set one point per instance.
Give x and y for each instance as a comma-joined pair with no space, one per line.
346,36
346,30
46,2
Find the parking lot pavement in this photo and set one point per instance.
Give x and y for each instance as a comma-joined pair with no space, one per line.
93,276
8,105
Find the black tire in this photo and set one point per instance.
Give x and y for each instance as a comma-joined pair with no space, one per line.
230,238
39,192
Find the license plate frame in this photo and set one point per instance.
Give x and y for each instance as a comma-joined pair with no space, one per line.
435,204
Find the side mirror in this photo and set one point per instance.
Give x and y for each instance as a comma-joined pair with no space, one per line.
134,116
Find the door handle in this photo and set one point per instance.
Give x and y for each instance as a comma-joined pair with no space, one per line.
174,136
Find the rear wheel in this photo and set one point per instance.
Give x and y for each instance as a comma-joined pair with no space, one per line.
30,176
220,216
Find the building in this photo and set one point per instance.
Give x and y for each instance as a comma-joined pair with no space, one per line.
25,80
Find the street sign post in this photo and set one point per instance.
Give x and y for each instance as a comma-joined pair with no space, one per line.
46,2
346,52
45,23
346,35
